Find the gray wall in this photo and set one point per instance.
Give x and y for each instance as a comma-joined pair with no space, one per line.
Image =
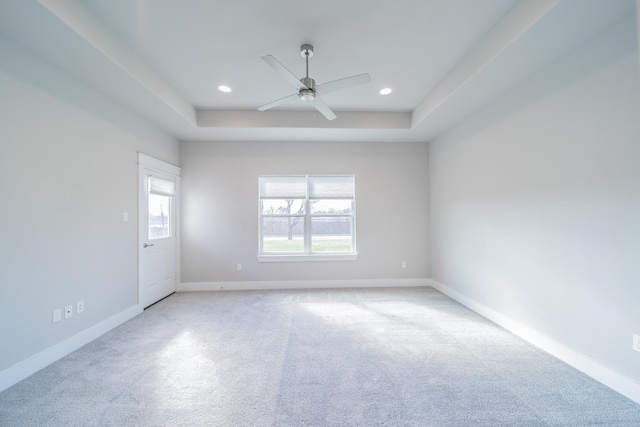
220,208
68,168
535,202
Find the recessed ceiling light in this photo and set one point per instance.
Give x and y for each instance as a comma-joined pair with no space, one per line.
386,91
225,89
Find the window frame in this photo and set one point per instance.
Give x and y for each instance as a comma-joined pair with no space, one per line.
307,255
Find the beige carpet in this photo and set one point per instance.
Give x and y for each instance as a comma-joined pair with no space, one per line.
357,357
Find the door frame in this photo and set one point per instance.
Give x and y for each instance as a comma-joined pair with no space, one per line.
146,164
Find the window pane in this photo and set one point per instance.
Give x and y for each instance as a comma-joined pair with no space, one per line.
159,216
282,206
331,234
340,206
283,234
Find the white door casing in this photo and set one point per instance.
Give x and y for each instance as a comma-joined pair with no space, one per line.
158,232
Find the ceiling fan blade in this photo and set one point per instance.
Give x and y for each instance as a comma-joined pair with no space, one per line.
323,108
343,83
288,75
278,102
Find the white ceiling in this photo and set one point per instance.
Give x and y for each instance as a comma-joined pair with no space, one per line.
164,59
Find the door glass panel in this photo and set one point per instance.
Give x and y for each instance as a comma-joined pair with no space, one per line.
159,216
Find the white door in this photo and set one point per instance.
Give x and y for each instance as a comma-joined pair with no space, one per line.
158,207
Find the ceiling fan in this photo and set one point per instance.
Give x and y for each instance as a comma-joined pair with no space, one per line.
306,86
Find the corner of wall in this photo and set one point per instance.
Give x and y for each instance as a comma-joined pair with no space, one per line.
607,376
30,366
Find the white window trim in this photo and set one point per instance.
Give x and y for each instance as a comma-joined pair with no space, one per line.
308,257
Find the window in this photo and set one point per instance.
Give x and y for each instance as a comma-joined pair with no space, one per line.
306,217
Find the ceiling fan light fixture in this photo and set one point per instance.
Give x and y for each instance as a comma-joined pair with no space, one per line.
307,95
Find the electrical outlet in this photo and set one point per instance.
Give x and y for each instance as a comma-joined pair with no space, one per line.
79,307
636,342
404,264
57,315
68,311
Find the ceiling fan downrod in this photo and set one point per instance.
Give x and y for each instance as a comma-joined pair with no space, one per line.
309,94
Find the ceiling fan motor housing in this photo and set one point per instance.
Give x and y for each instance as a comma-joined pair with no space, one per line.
308,82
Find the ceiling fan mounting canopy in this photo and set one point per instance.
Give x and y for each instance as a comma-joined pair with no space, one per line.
306,86
306,50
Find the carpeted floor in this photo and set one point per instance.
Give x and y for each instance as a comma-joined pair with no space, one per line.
352,357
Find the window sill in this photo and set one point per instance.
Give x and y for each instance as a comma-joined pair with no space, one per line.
307,258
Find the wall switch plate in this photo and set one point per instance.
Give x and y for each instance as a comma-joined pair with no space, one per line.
79,307
239,267
636,342
68,311
125,216
57,315
404,264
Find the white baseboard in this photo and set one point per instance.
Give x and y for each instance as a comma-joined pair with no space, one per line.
607,376
30,366
301,284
